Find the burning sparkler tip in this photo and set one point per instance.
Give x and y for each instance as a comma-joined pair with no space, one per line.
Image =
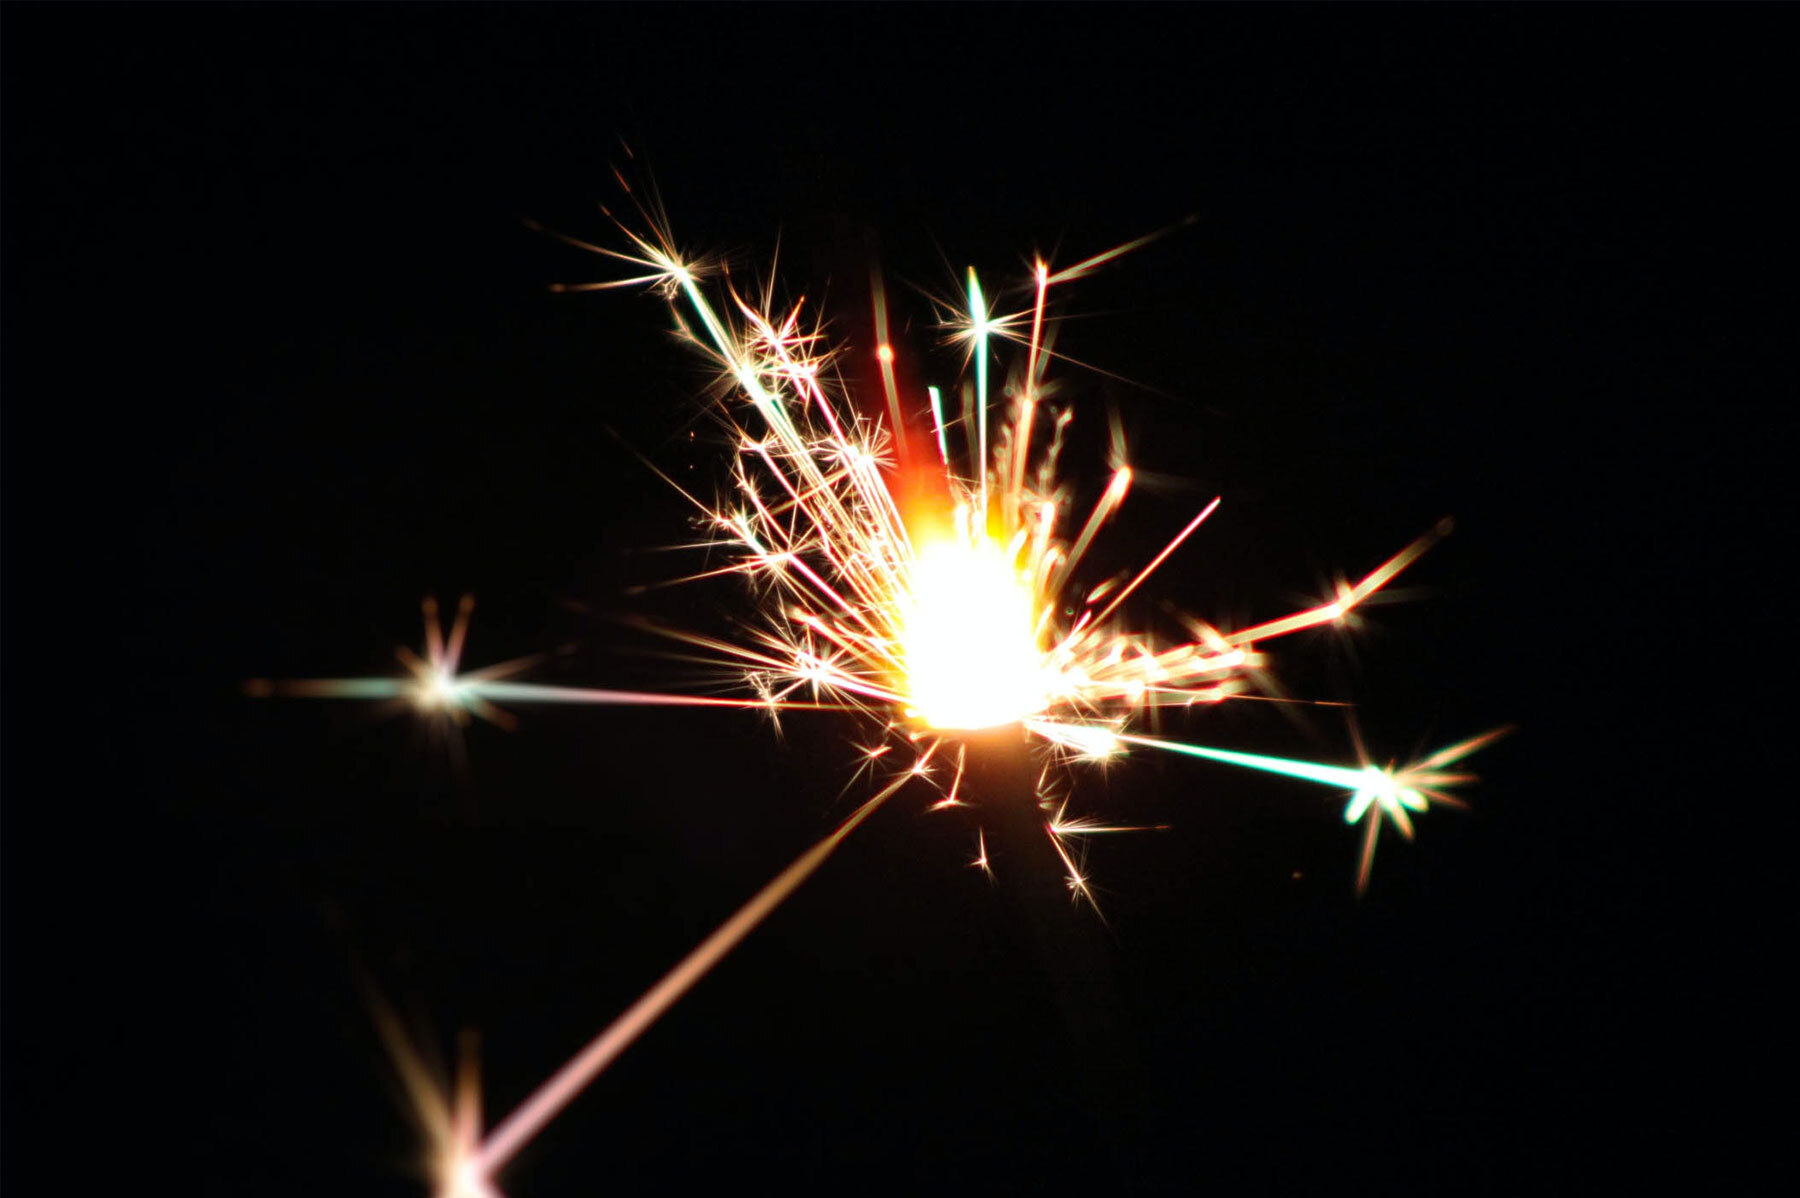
935,619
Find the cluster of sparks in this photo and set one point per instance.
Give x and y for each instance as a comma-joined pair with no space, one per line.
917,571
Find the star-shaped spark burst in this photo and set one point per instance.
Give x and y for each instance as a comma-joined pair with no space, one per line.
1390,793
431,684
448,1115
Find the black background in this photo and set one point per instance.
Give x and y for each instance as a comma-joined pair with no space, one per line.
281,358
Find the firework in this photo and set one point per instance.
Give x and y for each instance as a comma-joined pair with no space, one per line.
917,571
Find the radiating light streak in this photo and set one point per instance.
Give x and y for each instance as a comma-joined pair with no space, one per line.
1109,503
937,424
1087,266
449,1117
1330,775
981,858
1158,560
1078,883
513,1132
1348,596
979,326
884,354
526,692
332,688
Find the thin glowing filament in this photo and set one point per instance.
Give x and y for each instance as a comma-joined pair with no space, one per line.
1160,558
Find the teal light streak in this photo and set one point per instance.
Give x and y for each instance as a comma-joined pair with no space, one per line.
1361,778
978,315
937,416
363,688
769,404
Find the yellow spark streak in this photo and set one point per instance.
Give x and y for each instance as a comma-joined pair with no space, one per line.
884,353
1034,366
1158,560
1109,503
950,799
1078,886
1348,597
1021,431
1088,266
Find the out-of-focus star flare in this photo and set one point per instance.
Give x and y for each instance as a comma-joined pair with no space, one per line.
917,570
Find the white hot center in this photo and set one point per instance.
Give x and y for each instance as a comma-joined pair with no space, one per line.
971,652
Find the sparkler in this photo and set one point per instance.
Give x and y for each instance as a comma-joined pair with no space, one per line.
925,594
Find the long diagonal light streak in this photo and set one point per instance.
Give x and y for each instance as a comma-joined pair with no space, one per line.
513,1132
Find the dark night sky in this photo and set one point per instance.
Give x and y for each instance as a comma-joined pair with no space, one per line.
280,358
